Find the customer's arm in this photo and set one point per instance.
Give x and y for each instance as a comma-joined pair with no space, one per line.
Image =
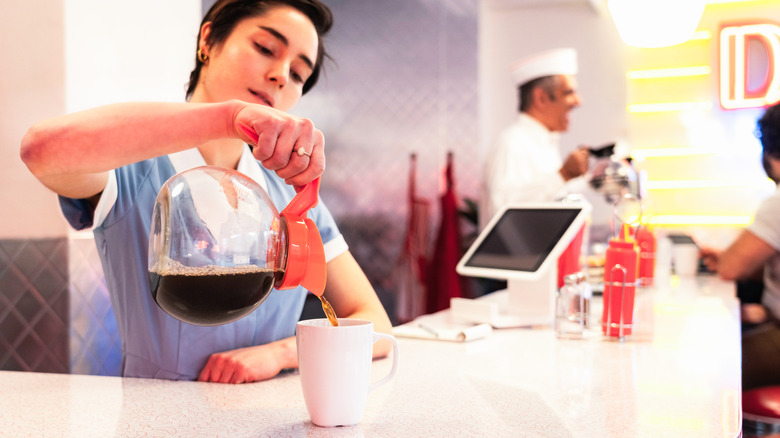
744,258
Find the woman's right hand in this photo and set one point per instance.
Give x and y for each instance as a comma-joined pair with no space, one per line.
278,138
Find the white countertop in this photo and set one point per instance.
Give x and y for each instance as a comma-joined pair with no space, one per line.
680,378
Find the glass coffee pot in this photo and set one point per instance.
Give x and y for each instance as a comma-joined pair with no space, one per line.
218,246
612,175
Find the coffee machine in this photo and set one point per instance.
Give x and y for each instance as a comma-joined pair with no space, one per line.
613,175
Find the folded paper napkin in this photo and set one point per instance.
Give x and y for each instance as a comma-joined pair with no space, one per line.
441,327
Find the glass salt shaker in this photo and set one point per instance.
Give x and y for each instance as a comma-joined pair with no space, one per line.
586,295
571,308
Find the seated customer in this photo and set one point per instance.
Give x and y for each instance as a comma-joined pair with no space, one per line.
756,253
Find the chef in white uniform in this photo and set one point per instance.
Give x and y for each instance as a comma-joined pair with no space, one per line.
525,164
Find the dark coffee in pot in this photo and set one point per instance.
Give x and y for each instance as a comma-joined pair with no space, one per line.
211,295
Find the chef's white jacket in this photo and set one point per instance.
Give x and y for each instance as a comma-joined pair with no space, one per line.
523,166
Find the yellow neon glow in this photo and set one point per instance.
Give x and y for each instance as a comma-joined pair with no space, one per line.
679,219
712,2
674,72
668,106
700,184
732,89
701,35
641,154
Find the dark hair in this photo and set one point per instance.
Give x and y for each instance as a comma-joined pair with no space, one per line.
769,131
224,15
546,83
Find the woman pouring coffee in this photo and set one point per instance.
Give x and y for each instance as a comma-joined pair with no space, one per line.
254,61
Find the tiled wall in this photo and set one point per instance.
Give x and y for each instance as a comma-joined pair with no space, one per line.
95,346
34,305
54,310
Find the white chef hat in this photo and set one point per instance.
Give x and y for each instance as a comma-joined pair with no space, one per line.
548,63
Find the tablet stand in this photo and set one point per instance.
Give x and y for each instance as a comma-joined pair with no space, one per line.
523,303
533,301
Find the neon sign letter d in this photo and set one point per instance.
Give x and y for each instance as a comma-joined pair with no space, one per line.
734,91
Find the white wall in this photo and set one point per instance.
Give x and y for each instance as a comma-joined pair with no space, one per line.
32,87
512,29
62,56
120,51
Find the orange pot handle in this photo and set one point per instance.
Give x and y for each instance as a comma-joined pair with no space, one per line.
305,252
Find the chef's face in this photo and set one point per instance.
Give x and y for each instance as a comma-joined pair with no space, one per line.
563,99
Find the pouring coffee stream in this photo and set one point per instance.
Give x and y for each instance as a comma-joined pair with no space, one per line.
300,209
218,246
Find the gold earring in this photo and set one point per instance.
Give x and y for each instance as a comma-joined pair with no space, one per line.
202,57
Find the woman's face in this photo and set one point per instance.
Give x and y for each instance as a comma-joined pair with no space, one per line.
265,60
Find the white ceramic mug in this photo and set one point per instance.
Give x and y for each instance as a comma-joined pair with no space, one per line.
335,368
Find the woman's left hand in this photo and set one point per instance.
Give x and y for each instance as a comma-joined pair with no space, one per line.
250,364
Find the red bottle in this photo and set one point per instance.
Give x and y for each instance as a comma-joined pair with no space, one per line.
620,268
645,240
569,261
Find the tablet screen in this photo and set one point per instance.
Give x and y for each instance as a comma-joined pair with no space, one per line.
522,239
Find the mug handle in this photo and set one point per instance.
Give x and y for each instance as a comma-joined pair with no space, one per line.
391,374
